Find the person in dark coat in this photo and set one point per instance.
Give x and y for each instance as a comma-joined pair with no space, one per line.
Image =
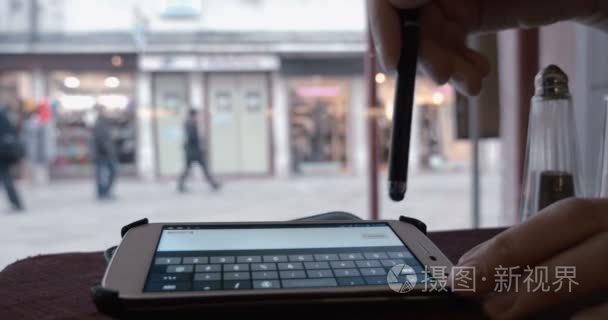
194,153
104,155
10,154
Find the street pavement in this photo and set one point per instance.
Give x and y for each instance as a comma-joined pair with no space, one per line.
65,217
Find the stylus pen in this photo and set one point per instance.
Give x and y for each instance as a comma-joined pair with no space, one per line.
404,104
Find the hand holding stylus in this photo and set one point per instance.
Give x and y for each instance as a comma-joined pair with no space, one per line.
445,25
444,55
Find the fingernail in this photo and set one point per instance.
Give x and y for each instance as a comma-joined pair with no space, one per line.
378,57
459,84
468,259
499,304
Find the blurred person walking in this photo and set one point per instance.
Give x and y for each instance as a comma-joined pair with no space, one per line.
11,151
194,153
104,155
39,137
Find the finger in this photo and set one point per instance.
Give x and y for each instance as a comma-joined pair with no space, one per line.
479,62
445,31
386,32
595,313
589,277
435,61
467,254
550,232
452,36
466,79
467,13
453,39
408,4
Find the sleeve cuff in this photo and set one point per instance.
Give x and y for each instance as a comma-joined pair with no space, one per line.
505,14
598,18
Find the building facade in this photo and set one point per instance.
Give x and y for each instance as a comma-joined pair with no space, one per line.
279,84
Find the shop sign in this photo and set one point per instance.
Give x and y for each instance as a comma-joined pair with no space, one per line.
209,63
227,62
181,9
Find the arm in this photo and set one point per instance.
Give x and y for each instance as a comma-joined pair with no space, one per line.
599,19
504,14
445,25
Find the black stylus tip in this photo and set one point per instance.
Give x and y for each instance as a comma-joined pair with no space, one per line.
397,190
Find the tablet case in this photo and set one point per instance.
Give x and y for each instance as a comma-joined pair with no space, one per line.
108,301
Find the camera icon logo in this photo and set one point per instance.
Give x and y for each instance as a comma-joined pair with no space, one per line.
402,278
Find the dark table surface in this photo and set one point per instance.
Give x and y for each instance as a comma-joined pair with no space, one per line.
58,286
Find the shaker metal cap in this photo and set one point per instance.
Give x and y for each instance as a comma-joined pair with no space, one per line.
551,83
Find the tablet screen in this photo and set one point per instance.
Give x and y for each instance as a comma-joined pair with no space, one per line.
206,258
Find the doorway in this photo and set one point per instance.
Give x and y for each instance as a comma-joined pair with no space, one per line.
319,126
239,126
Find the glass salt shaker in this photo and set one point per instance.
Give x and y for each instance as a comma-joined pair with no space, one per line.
552,170
602,190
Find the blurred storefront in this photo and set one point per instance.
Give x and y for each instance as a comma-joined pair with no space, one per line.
56,96
318,122
15,85
278,101
272,114
325,108
435,145
272,104
75,95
